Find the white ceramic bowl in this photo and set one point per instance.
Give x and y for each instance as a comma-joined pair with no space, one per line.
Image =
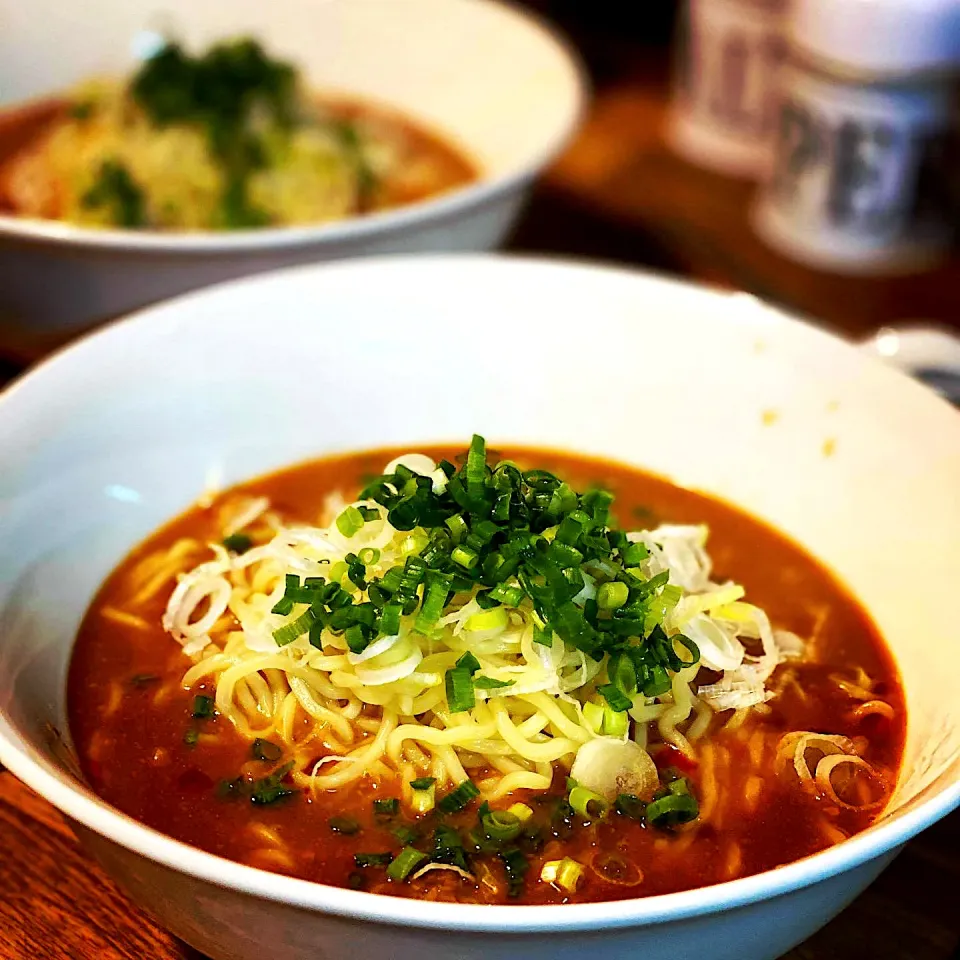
111,437
488,77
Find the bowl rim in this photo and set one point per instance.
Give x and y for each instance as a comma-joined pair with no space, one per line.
352,229
83,807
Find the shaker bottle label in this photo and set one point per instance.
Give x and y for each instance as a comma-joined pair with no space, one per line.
859,168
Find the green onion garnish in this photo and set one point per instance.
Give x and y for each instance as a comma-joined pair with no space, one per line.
630,806
406,835
672,805
372,859
491,683
405,863
191,737
296,628
617,699
350,521
459,797
588,804
500,826
612,596
203,707
387,807
516,865
265,750
458,683
270,789
345,825
238,543
423,783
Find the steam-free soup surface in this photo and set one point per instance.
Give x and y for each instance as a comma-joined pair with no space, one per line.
146,751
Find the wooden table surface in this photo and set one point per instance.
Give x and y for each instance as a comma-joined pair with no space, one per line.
617,194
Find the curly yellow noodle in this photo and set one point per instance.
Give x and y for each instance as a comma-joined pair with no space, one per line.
549,750
362,758
737,719
304,695
122,617
521,780
678,712
702,721
708,783
756,746
432,737
721,772
452,767
556,716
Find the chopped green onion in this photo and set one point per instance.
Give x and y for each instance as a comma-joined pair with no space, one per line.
594,714
615,722
271,788
296,628
491,683
448,847
369,555
238,543
406,861
465,556
350,521
510,596
615,697
387,807
459,797
672,809
635,554
469,662
630,806
516,865
458,684
565,873
203,707
191,737
588,804
345,825
265,750
457,526
521,811
496,618
423,799
612,596
372,859
500,826
435,596
143,679
543,636
406,835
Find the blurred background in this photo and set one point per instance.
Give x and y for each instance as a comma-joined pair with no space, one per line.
623,190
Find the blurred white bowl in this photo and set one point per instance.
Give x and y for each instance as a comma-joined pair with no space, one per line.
110,438
487,77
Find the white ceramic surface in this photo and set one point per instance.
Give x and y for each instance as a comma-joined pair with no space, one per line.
112,436
483,74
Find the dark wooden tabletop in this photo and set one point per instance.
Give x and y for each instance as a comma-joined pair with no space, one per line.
616,195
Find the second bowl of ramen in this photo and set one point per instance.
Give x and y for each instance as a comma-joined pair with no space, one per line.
176,148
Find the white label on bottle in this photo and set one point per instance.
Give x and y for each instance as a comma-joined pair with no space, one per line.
725,83
859,171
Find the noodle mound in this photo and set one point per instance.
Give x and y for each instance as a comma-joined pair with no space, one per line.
382,707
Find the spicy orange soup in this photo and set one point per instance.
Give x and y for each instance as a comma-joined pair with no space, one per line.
244,762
